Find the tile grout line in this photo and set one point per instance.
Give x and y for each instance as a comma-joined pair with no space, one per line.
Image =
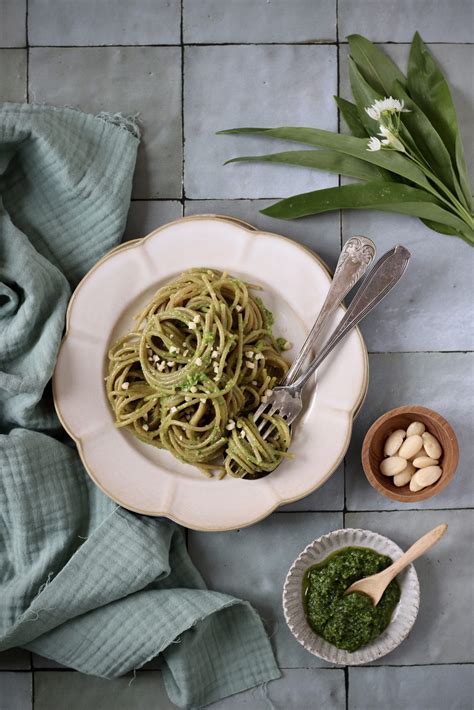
284,668
355,511
316,43
27,42
344,465
183,194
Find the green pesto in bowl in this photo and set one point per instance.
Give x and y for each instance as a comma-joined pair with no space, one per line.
348,622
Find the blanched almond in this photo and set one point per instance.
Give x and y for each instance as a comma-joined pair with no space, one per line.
410,446
427,476
394,441
401,479
424,461
392,466
414,485
432,445
416,428
418,454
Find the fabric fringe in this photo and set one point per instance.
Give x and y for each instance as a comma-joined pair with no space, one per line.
127,123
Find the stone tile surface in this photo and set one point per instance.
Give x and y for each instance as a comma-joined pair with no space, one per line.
329,497
15,659
13,75
225,563
321,234
442,381
40,662
234,86
443,631
456,61
428,310
247,21
16,691
146,215
13,23
56,690
420,688
296,689
131,80
55,22
270,63
386,21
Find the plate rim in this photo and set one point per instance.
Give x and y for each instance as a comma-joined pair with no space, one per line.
133,243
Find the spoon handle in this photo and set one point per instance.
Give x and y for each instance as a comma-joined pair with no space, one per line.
416,550
386,273
356,256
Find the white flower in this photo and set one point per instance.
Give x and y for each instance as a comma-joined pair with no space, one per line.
386,105
374,144
373,112
390,139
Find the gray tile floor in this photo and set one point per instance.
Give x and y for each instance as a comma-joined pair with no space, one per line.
189,68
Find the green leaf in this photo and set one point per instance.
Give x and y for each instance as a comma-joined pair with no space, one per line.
377,68
462,170
357,147
351,116
467,235
437,227
430,90
364,96
388,197
329,160
428,141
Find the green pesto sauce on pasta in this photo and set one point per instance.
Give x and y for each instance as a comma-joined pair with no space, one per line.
192,371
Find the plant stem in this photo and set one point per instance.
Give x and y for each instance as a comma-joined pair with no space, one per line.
452,202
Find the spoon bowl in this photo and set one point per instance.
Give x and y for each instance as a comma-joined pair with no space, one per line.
375,585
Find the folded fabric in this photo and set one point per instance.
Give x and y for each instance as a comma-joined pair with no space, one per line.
83,581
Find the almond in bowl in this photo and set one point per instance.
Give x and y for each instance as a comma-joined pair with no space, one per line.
410,454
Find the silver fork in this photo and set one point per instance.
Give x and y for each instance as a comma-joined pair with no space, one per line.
355,258
286,400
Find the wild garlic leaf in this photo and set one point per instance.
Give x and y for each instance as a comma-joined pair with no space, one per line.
428,141
329,160
441,228
364,95
350,114
428,87
376,67
430,90
357,147
388,197
462,171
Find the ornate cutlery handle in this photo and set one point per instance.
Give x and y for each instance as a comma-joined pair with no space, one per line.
386,273
356,256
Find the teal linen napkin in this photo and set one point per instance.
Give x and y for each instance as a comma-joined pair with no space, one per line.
83,581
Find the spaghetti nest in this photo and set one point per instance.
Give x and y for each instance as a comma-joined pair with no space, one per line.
200,360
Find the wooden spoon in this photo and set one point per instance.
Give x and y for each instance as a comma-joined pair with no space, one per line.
375,585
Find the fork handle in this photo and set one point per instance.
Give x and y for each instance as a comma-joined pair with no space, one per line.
386,273
356,256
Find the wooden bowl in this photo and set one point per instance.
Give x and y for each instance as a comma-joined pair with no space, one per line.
400,418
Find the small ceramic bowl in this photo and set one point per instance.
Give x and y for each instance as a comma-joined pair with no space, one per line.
400,418
403,616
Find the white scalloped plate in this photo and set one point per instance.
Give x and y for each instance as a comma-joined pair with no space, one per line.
149,480
403,617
